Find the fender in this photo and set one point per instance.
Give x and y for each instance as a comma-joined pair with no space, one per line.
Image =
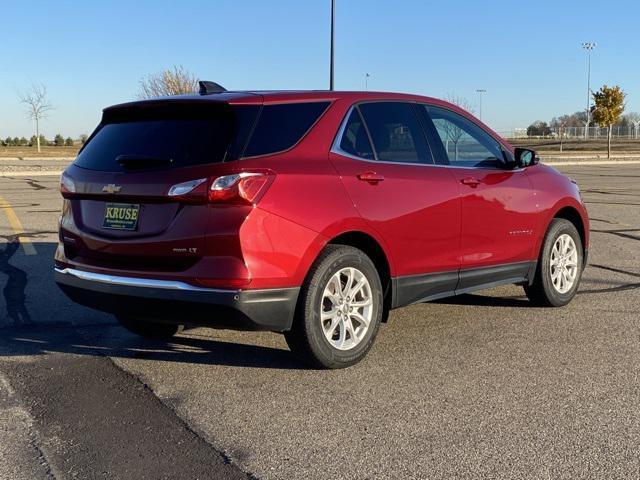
349,225
552,212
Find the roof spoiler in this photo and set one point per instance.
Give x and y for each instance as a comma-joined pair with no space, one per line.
207,87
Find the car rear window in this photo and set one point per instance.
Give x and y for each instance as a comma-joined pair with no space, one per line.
281,126
168,136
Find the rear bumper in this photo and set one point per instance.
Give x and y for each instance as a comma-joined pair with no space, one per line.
179,302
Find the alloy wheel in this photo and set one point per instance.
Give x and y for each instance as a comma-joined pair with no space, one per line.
346,309
563,265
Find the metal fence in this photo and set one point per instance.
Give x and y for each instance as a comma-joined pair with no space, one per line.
631,132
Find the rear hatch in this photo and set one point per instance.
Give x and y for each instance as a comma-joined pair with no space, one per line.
128,203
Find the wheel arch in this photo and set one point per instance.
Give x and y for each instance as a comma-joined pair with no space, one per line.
573,215
374,250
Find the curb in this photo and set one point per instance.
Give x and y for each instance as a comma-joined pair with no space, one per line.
33,173
592,162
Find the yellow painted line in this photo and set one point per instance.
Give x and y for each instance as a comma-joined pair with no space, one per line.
14,221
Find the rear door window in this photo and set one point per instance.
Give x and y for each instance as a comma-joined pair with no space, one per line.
167,136
355,140
396,132
281,126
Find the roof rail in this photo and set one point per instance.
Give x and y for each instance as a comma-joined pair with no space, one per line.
207,87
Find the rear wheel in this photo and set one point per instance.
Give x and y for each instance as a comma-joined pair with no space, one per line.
559,267
149,329
339,310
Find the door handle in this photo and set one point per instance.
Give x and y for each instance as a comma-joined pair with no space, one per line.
371,177
472,182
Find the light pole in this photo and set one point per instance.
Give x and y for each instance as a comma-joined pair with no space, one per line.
588,46
366,81
333,22
480,92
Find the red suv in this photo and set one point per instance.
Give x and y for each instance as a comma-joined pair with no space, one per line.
308,213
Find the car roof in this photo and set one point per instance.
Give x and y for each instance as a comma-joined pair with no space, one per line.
291,96
284,96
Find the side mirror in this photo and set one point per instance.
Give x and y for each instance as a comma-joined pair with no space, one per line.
525,157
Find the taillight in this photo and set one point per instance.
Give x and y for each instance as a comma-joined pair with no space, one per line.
245,187
66,184
191,191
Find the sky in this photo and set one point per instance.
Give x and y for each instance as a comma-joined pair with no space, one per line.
526,55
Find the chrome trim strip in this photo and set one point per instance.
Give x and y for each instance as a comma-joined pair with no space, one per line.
338,151
136,282
335,147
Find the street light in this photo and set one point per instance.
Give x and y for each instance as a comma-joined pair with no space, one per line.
481,91
366,81
333,21
588,46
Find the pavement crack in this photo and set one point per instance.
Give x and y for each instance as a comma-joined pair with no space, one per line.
35,184
619,288
620,233
42,456
611,192
609,222
613,269
9,399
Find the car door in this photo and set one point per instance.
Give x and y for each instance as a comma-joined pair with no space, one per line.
386,166
498,202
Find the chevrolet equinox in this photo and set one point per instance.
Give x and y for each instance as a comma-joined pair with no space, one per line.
307,213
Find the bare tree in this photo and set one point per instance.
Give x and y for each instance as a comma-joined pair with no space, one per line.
559,124
633,118
455,133
173,81
37,106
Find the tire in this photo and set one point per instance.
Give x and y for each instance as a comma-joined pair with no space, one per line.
149,329
313,339
549,290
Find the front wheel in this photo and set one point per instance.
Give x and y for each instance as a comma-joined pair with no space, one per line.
559,267
339,310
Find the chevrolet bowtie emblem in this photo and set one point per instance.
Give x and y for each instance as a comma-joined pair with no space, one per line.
111,188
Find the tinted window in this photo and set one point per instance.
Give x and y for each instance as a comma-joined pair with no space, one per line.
280,127
465,143
355,140
396,133
167,136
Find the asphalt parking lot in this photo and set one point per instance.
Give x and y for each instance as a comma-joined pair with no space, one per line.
480,385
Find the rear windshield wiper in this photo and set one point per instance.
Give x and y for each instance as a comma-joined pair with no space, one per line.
142,161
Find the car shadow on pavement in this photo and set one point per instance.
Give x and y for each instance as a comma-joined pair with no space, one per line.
112,341
484,301
36,318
